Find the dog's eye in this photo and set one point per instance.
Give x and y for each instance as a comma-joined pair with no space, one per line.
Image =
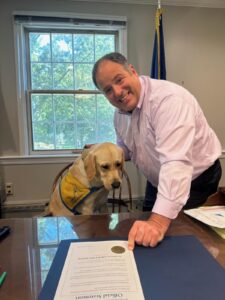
118,164
105,167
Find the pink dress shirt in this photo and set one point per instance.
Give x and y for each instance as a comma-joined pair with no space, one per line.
169,140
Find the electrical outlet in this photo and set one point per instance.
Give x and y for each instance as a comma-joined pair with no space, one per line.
9,189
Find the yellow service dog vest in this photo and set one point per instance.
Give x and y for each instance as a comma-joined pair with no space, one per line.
72,192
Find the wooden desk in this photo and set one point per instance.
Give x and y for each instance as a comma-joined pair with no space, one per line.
26,254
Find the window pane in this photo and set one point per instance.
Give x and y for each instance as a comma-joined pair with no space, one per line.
105,110
85,108
41,76
40,47
86,119
64,107
62,48
65,137
105,132
86,134
63,76
105,126
42,120
41,106
104,44
64,118
83,77
43,136
84,48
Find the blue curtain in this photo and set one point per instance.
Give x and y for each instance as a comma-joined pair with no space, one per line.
158,70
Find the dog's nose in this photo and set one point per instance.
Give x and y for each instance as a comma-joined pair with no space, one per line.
116,184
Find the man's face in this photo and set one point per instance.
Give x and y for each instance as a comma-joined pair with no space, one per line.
121,86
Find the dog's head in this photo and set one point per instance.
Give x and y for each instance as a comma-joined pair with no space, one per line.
104,164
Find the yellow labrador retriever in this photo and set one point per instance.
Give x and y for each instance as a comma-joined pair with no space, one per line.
85,187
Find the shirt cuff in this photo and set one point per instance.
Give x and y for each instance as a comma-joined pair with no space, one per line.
167,208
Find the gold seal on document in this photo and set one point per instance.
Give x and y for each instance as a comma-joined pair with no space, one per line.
118,249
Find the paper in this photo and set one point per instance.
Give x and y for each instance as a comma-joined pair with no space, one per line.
99,270
210,215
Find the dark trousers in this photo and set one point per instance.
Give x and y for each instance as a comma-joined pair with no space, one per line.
202,187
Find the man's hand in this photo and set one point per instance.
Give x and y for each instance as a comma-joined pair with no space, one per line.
148,233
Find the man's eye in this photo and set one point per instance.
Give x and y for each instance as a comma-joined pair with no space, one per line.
107,91
119,80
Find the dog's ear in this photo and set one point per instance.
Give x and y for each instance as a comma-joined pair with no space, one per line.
87,148
90,165
84,153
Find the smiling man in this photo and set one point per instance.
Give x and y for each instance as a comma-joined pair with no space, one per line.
163,131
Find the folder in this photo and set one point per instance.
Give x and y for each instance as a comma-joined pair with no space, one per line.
179,268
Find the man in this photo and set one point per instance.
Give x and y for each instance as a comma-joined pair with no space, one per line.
164,132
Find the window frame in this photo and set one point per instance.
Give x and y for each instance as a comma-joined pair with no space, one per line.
21,29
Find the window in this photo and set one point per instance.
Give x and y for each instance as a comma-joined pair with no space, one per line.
61,110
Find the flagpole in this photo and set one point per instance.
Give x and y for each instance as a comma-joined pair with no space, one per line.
158,36
159,4
158,69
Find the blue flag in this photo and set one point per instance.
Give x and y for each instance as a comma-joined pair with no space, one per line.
158,70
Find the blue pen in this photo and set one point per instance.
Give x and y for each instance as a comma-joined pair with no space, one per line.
2,278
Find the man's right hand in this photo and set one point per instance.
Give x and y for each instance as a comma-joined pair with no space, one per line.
148,233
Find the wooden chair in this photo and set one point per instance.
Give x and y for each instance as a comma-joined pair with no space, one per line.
218,198
116,200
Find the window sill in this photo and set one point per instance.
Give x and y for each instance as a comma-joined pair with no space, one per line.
37,159
46,159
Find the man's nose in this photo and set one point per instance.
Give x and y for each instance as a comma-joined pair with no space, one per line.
117,91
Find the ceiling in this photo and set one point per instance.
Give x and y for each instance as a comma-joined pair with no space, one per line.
195,3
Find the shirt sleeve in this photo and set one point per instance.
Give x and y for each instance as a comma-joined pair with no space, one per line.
174,123
119,140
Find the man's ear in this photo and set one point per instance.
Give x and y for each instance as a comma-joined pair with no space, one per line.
90,166
132,69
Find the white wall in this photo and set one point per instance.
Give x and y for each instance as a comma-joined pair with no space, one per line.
195,54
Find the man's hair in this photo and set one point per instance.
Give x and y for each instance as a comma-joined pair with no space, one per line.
115,57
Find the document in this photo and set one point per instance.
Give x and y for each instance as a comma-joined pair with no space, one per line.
210,215
214,216
99,270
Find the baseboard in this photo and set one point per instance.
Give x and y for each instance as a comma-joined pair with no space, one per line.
32,206
29,206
